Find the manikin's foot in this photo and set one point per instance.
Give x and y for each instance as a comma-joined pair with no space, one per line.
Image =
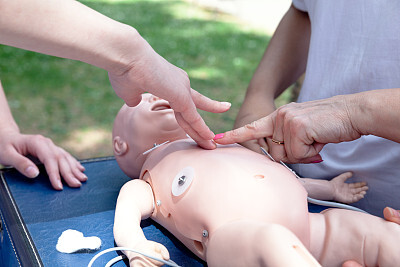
390,215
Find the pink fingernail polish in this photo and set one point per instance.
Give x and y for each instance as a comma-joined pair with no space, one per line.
318,161
218,136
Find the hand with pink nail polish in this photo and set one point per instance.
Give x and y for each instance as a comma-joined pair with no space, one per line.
231,206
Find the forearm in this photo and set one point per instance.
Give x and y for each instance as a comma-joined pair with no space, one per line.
376,113
283,62
6,119
127,231
318,189
68,29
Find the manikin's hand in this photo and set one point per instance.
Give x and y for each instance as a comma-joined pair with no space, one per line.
151,248
347,192
151,73
301,128
14,147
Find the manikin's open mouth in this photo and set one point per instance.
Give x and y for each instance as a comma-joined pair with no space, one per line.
160,106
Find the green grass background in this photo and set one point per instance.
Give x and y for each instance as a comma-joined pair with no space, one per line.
73,103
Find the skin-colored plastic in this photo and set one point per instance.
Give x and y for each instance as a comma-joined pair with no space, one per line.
231,206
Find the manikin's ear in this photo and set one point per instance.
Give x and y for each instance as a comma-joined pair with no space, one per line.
120,146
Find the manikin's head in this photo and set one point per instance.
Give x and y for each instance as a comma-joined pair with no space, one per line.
137,129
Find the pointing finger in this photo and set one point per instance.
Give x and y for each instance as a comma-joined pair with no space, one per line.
258,129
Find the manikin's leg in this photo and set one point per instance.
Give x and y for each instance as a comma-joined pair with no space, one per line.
249,243
340,235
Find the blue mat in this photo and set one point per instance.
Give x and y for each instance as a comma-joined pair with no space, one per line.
34,216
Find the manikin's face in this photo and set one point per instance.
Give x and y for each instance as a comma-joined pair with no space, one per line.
151,122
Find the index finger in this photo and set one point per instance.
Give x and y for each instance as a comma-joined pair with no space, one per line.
197,124
207,104
204,143
190,120
261,128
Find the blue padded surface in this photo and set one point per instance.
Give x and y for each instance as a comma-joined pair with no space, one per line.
315,208
89,209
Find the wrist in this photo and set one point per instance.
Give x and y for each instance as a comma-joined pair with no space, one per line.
10,127
359,108
129,46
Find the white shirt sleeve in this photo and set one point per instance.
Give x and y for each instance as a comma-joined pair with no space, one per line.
300,4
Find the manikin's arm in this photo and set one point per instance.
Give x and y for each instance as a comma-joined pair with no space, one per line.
282,64
335,189
14,147
250,243
135,202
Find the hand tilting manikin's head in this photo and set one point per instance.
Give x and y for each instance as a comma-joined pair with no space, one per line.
137,129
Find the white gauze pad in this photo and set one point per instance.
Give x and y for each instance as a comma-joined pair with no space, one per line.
71,241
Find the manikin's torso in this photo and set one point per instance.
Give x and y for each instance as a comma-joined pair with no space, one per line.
227,184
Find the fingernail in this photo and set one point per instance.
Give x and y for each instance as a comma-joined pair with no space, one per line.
76,182
218,136
227,104
59,185
317,161
31,172
394,212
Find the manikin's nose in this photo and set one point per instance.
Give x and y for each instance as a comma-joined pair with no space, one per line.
154,98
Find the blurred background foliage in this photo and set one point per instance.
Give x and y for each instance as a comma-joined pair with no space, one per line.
73,103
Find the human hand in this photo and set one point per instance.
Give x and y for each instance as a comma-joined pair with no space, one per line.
245,116
149,72
347,192
297,132
14,147
151,248
391,215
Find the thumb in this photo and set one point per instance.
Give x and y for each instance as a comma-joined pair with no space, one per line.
343,177
261,128
164,252
132,100
22,164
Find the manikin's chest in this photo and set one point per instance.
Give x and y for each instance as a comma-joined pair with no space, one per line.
197,191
